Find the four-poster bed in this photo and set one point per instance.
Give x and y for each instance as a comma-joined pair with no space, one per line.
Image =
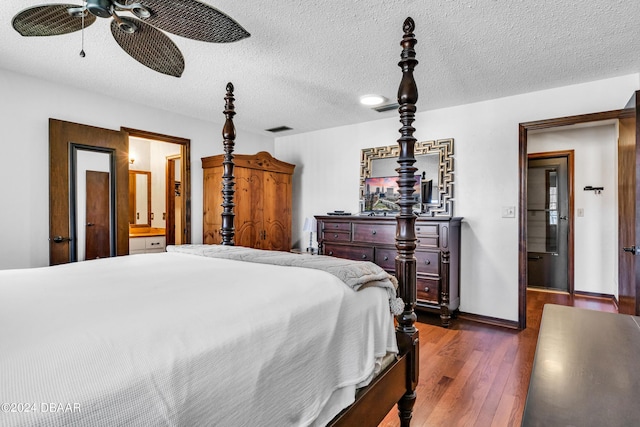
397,383
251,338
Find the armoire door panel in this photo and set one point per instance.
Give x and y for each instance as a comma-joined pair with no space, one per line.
248,209
277,210
276,236
246,235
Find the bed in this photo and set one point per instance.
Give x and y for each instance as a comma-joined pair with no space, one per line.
251,338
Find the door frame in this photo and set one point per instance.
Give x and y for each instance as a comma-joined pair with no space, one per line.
170,197
73,228
524,128
569,154
185,172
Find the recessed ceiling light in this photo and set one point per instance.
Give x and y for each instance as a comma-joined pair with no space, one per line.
372,100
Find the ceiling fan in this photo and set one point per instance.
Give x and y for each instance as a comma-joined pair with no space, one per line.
139,35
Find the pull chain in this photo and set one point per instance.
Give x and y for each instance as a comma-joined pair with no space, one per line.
84,10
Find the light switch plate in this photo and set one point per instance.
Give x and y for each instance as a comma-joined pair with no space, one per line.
508,212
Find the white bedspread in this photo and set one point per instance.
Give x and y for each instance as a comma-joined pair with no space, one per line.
174,339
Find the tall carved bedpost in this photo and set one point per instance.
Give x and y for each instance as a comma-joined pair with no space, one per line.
406,219
228,180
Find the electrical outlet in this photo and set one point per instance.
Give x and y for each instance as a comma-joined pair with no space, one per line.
508,212
580,212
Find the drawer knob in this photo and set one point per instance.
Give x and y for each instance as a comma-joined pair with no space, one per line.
426,289
335,236
418,241
330,252
426,261
386,258
373,232
364,256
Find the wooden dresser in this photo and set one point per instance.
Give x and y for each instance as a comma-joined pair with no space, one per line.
372,238
262,201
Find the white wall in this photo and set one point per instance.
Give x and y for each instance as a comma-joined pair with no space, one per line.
595,233
486,177
26,104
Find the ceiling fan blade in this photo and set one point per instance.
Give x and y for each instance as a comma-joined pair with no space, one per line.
193,20
50,20
149,46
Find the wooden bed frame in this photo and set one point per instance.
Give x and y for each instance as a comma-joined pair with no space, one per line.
397,383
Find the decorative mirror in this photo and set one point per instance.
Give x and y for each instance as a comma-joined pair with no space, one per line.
434,178
139,198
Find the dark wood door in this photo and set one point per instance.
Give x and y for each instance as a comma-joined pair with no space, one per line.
63,136
628,209
548,221
97,216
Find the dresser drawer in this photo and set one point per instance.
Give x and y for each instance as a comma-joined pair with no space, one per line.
336,236
427,229
425,241
428,236
137,244
156,242
386,258
428,289
147,244
336,226
428,262
374,233
360,253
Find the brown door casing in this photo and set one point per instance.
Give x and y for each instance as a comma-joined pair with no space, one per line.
185,177
170,188
62,135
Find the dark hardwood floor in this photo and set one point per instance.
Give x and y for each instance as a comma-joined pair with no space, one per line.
478,375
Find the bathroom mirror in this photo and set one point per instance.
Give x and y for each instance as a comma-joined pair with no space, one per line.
434,187
139,198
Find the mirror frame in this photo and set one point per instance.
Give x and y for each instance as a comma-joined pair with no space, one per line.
442,147
148,174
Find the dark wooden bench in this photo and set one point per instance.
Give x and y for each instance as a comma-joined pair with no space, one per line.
586,370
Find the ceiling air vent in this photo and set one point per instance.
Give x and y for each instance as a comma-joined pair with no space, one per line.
387,107
278,129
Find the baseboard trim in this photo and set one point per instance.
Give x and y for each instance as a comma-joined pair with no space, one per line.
509,324
594,295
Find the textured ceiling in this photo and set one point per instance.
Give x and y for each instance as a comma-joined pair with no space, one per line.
306,63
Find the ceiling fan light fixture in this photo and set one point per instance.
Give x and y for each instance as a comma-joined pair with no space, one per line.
140,11
100,8
372,100
126,25
77,12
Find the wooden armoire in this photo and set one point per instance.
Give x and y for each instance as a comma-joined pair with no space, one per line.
262,201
